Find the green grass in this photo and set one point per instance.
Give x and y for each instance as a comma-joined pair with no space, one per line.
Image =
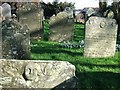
92,73
78,32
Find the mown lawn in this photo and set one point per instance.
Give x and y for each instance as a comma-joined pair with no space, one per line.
92,73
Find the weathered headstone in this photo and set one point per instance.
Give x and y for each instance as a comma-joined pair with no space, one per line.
32,15
6,10
0,32
15,40
37,74
61,27
100,37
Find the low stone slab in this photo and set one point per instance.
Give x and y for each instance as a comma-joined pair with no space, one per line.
36,74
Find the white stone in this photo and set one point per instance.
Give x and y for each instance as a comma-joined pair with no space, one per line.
6,10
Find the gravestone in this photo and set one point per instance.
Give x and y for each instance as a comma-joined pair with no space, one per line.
32,15
61,27
6,10
0,32
29,74
15,38
100,37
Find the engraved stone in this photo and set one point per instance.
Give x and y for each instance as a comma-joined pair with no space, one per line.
31,71
100,37
5,80
27,74
102,24
32,15
61,27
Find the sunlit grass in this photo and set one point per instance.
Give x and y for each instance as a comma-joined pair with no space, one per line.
92,73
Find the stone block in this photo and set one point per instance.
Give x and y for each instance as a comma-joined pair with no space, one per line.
37,74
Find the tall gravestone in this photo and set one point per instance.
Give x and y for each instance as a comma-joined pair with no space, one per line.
61,27
100,37
31,14
0,32
15,37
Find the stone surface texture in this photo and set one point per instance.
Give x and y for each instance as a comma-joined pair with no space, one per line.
32,15
61,27
6,10
100,37
36,74
15,40
0,42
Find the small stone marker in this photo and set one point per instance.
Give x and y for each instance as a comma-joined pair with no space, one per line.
100,37
28,74
61,27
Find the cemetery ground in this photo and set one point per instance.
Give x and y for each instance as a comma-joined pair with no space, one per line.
91,73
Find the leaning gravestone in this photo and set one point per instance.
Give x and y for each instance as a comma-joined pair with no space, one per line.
61,27
30,74
100,37
32,15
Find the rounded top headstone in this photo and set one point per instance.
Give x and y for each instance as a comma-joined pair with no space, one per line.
6,10
1,14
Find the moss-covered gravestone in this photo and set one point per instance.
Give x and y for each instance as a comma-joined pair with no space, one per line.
15,38
0,32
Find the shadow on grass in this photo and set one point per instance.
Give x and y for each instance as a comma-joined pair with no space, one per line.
41,50
98,81
97,65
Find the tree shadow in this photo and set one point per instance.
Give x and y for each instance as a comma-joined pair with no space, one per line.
49,50
91,81
98,81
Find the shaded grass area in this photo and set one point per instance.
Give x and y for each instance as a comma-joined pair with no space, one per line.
92,73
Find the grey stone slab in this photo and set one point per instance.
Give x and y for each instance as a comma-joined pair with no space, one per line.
32,15
6,10
0,32
100,37
37,74
15,40
61,27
